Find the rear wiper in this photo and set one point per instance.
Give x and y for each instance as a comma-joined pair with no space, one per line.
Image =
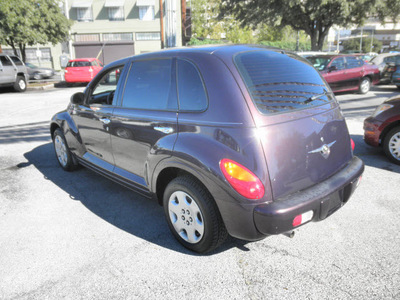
315,97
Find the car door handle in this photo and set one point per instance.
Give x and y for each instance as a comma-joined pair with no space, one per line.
165,130
105,120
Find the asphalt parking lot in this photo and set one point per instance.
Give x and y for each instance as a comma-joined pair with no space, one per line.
80,236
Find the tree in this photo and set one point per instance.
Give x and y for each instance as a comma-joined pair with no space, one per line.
389,9
354,44
30,22
204,18
315,17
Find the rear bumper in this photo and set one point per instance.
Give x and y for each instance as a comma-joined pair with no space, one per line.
322,199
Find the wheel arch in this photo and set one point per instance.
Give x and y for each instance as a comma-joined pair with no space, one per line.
387,129
169,172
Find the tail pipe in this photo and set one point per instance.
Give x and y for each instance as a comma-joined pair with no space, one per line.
289,234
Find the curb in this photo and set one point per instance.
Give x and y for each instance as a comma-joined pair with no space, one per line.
40,88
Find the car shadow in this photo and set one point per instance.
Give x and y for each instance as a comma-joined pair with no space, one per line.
112,202
372,156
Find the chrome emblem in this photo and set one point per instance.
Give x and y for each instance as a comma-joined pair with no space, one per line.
325,150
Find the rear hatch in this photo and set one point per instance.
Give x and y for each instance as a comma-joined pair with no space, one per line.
79,69
300,125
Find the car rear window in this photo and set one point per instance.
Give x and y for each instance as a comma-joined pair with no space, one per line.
74,64
281,82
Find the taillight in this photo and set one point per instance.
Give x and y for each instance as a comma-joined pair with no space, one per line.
353,145
242,180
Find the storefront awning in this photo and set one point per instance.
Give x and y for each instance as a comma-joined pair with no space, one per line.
82,3
114,3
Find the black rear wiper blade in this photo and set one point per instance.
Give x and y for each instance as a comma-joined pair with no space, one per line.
315,97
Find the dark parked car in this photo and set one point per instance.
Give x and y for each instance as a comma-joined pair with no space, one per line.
346,72
382,129
37,73
243,140
13,72
386,63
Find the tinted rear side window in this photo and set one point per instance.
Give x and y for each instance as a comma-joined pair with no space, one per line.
16,61
353,62
149,86
281,83
191,93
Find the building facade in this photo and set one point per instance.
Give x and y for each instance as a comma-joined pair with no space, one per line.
112,29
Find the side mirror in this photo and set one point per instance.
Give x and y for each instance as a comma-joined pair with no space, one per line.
77,98
332,68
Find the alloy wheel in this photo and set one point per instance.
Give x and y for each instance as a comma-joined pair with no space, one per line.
394,146
61,150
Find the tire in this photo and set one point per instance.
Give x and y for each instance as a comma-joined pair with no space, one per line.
365,85
391,145
20,84
192,215
63,154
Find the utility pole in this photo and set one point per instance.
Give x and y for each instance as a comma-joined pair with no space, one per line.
372,41
338,40
361,39
162,24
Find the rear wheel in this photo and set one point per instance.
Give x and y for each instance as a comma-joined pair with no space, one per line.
391,145
63,153
365,85
20,84
192,215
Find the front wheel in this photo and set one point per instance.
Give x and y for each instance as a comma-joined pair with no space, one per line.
20,84
365,85
63,153
391,145
192,215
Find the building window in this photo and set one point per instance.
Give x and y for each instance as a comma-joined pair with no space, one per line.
87,38
148,36
146,13
117,37
84,14
116,13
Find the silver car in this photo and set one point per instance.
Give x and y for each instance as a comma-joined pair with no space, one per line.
13,72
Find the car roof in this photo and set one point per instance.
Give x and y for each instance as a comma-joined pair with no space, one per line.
84,59
222,50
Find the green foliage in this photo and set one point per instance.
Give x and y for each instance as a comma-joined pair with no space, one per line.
314,17
196,42
354,44
389,10
30,22
238,35
289,45
282,37
204,18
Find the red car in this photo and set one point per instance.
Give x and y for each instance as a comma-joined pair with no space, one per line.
82,69
346,72
382,129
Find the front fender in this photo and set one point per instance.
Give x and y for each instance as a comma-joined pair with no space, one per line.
64,121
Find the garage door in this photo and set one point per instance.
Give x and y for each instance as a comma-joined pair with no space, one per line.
109,52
